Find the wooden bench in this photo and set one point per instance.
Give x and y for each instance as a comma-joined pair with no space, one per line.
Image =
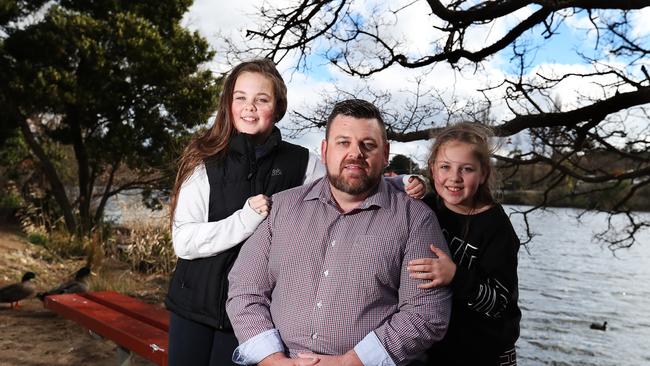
133,325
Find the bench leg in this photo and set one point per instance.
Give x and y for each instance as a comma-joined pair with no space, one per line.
123,356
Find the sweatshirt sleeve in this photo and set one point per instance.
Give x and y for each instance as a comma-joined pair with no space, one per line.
193,236
315,169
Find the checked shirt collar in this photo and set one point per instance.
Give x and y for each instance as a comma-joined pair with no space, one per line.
322,191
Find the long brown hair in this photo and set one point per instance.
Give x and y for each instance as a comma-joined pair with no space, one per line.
215,140
477,136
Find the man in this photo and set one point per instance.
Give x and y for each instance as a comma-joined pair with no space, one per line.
323,279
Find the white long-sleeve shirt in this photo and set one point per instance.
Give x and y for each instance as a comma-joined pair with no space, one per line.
194,237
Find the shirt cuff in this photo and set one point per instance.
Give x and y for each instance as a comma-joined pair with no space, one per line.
371,352
257,348
250,217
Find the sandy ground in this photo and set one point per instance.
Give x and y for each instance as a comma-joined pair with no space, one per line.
32,335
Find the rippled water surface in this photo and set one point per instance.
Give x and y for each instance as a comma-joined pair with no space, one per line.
567,281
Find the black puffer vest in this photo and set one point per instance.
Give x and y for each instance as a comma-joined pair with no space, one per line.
199,287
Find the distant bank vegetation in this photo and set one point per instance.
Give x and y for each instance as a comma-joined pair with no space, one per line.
521,185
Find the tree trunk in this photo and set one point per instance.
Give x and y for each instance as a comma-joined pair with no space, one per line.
99,213
50,172
85,191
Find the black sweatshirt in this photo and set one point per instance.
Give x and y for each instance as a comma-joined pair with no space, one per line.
485,315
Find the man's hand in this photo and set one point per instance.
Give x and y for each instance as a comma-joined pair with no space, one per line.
279,359
439,270
415,188
350,358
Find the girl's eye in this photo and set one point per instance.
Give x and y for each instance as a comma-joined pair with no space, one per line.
240,98
262,100
468,169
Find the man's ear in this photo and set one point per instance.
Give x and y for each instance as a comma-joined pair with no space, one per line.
323,151
386,154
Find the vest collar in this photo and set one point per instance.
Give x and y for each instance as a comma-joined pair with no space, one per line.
244,144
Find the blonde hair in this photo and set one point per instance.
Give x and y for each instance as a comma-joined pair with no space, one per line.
478,137
215,140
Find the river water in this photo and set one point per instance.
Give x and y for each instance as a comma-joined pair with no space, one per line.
567,281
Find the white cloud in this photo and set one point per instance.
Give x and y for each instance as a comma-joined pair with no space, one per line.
641,23
480,36
217,19
579,22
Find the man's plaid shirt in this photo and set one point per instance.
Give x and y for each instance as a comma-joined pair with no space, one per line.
326,279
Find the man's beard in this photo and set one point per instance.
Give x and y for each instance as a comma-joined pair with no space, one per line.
361,184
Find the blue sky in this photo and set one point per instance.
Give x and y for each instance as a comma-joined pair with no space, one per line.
559,49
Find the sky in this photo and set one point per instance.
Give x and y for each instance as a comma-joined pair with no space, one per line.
217,19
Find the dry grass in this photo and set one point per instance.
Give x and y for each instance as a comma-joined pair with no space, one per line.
144,242
121,257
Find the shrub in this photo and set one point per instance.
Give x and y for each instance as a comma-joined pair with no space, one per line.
148,249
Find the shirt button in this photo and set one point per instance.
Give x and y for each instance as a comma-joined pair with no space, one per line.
314,336
319,304
333,242
326,273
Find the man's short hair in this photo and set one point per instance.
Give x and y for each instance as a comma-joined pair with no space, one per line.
357,108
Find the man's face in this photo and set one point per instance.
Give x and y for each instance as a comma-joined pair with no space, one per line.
355,154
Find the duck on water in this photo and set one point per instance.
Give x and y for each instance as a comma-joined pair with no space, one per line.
598,326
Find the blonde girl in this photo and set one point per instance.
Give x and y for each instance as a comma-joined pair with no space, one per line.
482,270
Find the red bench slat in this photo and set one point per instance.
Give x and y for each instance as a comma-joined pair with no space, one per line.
150,314
144,339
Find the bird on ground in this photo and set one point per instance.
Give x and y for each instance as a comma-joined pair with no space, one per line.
22,290
74,285
598,326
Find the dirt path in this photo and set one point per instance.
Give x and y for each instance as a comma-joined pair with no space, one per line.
32,335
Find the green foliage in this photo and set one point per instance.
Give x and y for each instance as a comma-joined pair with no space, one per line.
523,187
13,10
10,200
23,188
13,153
40,230
37,238
65,245
110,84
59,243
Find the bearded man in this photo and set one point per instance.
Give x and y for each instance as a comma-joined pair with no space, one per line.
323,280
